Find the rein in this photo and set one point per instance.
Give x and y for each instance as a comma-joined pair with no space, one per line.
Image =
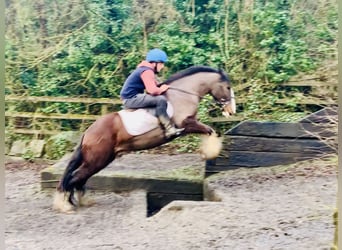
186,92
189,93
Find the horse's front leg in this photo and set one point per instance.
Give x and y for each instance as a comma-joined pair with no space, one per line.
211,142
192,125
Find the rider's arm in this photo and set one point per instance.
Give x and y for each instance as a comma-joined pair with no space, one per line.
150,83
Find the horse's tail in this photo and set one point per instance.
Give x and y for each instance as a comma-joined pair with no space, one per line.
75,161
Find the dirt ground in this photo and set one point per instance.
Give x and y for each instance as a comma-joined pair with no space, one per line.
287,207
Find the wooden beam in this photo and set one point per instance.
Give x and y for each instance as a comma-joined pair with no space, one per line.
309,100
282,145
51,116
326,115
63,99
250,159
279,130
310,83
223,119
34,132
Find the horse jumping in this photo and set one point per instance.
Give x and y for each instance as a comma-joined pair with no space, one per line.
110,136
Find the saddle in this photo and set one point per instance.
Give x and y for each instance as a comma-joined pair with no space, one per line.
141,121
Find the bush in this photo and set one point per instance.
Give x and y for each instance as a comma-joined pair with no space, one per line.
57,146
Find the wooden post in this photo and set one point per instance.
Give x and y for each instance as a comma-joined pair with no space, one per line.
104,109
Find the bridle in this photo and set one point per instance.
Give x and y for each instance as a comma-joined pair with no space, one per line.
199,96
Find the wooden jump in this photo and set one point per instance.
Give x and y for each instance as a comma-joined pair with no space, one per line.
259,144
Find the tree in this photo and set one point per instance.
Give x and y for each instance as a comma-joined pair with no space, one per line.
87,48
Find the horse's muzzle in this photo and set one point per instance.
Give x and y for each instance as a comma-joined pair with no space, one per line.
229,108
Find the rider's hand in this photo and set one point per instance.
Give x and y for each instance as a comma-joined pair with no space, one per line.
164,87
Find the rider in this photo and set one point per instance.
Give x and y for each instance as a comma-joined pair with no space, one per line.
142,90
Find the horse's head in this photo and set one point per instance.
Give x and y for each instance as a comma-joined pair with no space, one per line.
223,93
202,80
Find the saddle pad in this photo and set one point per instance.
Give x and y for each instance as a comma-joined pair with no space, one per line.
140,121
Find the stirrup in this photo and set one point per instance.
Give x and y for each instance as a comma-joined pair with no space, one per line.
173,132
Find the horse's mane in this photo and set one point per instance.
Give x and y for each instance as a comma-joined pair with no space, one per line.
193,70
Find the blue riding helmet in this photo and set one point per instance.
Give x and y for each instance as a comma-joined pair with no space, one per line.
156,55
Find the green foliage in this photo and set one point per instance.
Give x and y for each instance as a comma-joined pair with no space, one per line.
57,149
87,48
57,146
282,41
28,155
103,43
187,144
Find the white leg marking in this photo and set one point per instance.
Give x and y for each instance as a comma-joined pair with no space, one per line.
211,146
84,201
61,203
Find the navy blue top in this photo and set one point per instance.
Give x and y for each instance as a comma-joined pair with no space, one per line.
134,84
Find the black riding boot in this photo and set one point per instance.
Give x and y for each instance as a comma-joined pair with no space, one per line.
170,129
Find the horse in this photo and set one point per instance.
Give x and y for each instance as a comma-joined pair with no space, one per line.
112,135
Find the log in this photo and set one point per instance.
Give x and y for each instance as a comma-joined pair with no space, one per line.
277,129
251,159
262,144
323,116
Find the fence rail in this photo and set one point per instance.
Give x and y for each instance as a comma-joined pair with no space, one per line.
315,84
35,99
13,115
51,116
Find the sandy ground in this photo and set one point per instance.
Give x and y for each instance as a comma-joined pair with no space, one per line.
286,207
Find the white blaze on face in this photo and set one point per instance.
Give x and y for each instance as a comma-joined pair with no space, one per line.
230,107
233,104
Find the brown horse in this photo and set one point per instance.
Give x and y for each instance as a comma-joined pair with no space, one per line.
109,137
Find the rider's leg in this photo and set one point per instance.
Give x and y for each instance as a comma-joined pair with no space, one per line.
164,119
145,101
160,103
170,129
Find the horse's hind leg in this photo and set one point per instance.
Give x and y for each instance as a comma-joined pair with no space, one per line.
75,177
64,193
61,202
84,201
80,192
64,199
95,152
82,175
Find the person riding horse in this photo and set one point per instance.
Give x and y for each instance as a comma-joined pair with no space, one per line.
142,90
110,136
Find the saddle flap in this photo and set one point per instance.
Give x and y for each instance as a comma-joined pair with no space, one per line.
140,121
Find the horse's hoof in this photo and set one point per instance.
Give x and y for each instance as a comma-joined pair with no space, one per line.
68,210
62,204
86,202
211,147
65,208
211,131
